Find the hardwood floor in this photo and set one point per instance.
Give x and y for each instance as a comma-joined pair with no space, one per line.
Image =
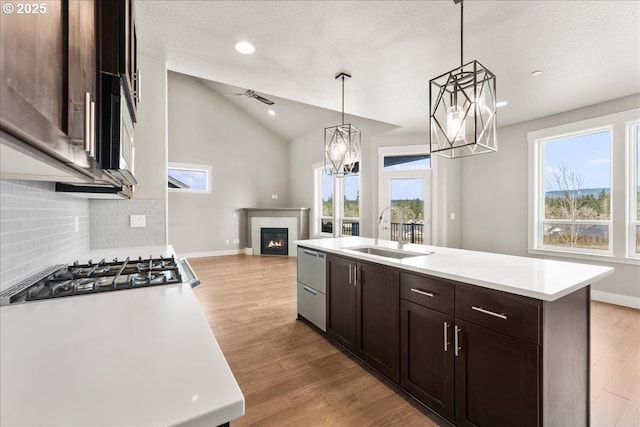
291,376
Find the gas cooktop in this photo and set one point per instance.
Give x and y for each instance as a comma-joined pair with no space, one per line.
90,278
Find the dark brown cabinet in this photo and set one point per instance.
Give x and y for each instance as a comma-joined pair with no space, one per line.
363,313
476,356
119,47
427,357
496,378
341,297
82,66
427,308
48,65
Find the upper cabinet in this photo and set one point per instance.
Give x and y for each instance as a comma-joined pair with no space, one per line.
69,90
119,47
48,84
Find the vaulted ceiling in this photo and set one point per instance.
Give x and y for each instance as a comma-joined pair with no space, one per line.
588,52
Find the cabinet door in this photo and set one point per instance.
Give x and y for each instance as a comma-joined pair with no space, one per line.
378,318
341,295
496,379
82,73
427,357
34,63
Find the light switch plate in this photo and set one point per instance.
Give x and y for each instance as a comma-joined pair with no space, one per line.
137,221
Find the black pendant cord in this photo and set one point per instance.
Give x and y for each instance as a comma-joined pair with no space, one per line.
461,31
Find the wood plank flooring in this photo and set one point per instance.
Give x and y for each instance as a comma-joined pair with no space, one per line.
291,376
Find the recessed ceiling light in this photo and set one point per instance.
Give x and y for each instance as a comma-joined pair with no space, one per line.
272,113
536,73
245,47
501,103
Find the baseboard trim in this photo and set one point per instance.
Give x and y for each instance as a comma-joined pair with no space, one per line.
210,253
617,299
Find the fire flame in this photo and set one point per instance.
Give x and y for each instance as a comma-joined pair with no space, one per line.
275,244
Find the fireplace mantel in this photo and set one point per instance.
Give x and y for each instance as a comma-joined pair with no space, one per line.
295,219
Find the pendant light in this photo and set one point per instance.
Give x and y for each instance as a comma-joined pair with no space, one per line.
342,144
462,108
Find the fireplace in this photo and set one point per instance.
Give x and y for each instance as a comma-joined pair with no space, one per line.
274,241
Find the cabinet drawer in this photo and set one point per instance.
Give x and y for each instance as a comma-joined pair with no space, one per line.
312,269
312,305
427,292
510,314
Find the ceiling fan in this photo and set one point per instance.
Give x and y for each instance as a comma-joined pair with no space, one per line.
252,94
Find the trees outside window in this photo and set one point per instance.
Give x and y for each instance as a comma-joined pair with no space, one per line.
583,188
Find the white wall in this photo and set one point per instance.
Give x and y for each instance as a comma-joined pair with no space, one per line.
249,166
495,195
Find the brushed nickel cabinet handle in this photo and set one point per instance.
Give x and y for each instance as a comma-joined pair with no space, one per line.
490,313
456,347
446,336
311,291
92,130
421,292
87,121
84,139
350,274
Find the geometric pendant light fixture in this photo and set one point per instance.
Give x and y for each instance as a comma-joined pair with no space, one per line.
462,108
342,145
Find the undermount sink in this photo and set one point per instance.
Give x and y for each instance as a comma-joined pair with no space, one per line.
387,253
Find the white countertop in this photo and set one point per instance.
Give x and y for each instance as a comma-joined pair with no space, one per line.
532,277
131,357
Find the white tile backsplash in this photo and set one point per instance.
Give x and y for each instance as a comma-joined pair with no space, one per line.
37,228
110,226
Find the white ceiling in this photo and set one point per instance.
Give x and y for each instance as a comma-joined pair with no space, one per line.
589,52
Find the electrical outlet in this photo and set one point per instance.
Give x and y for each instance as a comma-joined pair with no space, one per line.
236,240
76,224
227,241
137,221
452,215
235,215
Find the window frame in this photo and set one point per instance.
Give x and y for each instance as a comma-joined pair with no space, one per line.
430,189
541,197
633,180
318,171
338,203
207,169
619,220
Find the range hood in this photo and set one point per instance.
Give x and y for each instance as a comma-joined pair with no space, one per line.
95,191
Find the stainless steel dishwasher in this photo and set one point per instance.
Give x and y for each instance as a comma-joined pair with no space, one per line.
312,298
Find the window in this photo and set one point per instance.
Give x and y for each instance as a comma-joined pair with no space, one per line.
189,178
634,189
404,182
337,202
325,192
576,188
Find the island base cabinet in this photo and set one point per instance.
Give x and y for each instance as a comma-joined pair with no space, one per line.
378,318
427,370
496,378
341,298
363,312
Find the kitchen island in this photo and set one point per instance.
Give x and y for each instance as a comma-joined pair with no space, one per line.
481,339
132,357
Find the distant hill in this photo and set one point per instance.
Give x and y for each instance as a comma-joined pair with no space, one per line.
584,192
